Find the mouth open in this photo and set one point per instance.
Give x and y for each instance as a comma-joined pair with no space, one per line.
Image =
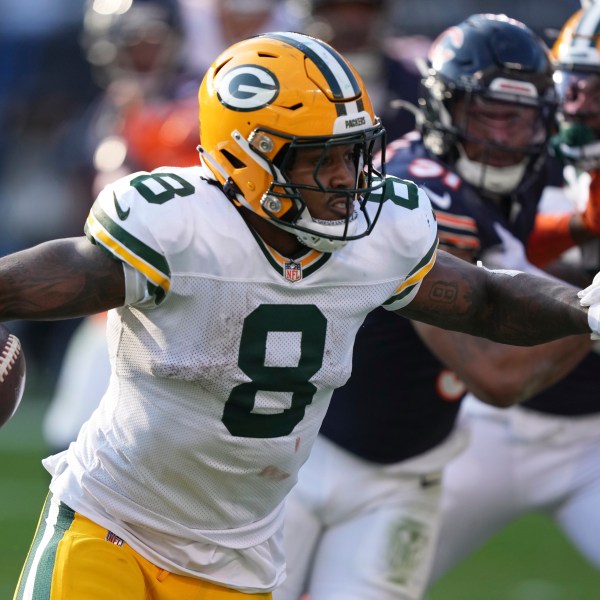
340,207
342,221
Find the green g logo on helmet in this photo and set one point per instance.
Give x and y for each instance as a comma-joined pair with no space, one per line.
248,88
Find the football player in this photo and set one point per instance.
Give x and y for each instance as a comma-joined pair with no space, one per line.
235,290
544,455
363,519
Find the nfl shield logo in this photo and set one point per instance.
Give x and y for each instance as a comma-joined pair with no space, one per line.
292,271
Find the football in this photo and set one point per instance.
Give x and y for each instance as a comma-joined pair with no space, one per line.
12,374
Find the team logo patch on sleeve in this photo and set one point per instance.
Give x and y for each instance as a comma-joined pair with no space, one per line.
121,213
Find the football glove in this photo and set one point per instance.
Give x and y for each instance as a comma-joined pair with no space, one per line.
590,297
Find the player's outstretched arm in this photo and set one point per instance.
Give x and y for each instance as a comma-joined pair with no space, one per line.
522,310
500,374
59,279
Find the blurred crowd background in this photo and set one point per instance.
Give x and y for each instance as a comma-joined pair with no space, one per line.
91,90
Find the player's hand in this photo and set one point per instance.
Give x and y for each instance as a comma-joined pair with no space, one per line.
510,254
591,214
590,297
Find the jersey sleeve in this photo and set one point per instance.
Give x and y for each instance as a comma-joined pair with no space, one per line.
134,221
420,235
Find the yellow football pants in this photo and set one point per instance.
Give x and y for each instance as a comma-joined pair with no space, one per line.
79,560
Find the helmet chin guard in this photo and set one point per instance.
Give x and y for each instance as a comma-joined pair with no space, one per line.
307,230
495,180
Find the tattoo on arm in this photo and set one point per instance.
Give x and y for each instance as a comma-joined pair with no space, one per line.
59,279
444,292
520,310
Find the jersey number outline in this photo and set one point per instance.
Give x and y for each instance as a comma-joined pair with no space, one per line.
307,319
170,191
403,193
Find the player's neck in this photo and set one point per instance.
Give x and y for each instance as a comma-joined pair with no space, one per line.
287,244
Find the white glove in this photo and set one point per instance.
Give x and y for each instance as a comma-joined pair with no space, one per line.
510,254
590,297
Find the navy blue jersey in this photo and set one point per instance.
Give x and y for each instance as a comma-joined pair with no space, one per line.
400,400
465,219
574,395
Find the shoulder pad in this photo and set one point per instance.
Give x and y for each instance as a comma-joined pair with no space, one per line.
134,220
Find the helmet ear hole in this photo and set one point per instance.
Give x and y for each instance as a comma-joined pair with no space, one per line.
284,159
236,163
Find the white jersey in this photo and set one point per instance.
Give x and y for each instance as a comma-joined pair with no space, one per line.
223,359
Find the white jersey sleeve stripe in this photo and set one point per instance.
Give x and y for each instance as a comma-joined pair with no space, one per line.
416,275
153,266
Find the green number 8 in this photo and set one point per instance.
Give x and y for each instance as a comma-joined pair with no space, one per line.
312,324
166,180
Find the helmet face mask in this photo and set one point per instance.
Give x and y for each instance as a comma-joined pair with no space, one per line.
576,55
496,141
489,102
270,97
286,187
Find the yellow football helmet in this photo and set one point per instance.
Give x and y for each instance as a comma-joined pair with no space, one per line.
578,44
267,96
576,55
